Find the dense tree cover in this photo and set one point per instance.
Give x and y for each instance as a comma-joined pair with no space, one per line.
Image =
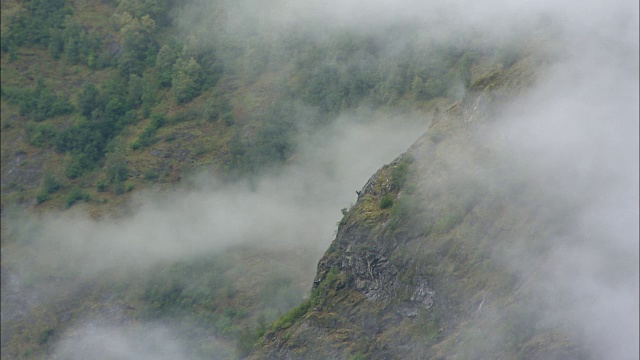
164,65
104,112
349,70
38,103
156,9
320,77
138,43
33,24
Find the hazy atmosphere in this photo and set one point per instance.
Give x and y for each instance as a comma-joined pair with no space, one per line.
297,207
576,136
573,136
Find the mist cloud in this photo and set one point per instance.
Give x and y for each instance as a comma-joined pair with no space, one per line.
143,342
298,207
576,132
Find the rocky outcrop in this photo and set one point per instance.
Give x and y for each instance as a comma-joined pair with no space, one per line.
414,271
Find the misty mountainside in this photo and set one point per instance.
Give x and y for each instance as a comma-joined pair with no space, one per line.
103,97
172,171
420,264
173,174
487,238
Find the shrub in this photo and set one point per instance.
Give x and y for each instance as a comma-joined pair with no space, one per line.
45,336
150,175
42,197
40,134
399,175
186,80
386,201
81,162
74,196
88,99
117,171
73,170
147,137
157,121
218,107
39,103
130,117
357,356
118,188
101,185
49,184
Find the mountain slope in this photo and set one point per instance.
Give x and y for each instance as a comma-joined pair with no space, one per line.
468,246
415,270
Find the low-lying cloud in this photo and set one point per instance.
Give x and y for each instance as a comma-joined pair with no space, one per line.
577,133
296,207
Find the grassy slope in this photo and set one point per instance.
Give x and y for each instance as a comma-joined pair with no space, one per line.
187,142
182,146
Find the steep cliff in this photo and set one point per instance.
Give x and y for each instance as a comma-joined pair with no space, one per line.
423,264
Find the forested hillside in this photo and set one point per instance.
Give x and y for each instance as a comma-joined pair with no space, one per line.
173,170
99,95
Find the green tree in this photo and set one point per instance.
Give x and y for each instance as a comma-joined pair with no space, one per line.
39,103
137,43
33,24
136,89
88,99
156,9
56,43
187,77
40,134
164,65
116,168
148,94
73,47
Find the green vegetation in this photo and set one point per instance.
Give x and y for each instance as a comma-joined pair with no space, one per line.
386,201
122,65
34,23
405,209
49,186
147,137
294,314
112,96
40,103
357,356
74,196
40,135
399,175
